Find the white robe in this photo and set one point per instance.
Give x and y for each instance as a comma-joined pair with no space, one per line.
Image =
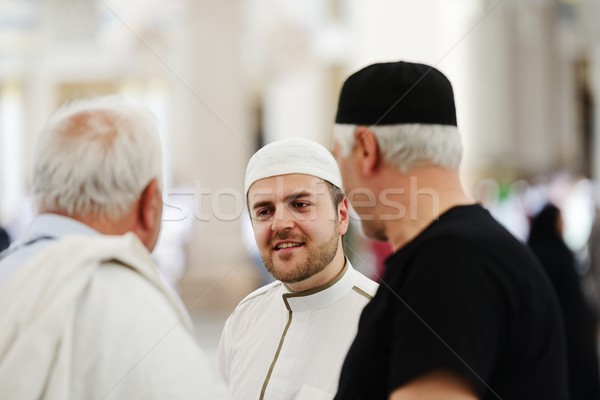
89,318
278,344
45,229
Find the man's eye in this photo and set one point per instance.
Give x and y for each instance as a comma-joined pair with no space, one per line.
300,204
263,213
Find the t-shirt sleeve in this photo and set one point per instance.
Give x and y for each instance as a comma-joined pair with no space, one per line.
447,315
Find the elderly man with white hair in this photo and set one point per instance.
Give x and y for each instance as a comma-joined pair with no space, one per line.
85,313
287,340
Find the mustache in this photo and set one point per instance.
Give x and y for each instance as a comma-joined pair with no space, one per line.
285,235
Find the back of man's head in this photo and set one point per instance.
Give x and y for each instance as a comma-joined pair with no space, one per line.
95,157
410,108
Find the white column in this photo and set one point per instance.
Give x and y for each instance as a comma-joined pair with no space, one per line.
12,168
537,88
595,83
491,126
294,105
592,10
210,149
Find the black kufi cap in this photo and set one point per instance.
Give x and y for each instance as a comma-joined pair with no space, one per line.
396,93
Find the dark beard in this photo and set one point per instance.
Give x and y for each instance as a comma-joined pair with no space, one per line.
317,260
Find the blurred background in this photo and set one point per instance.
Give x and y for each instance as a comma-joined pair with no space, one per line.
225,77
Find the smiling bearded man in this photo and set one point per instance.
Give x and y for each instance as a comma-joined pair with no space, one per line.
287,340
319,258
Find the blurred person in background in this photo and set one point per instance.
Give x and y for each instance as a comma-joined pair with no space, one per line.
288,339
593,253
85,313
4,239
546,241
464,310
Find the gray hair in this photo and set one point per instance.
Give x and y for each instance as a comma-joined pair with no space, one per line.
96,156
405,145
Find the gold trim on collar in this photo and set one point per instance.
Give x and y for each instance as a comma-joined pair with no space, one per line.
362,292
318,289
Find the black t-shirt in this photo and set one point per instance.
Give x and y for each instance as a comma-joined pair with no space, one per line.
464,296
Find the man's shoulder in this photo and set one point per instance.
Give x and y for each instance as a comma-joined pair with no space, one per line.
258,295
116,287
364,285
259,303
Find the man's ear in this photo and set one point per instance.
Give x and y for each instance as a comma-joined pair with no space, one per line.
343,216
368,149
150,206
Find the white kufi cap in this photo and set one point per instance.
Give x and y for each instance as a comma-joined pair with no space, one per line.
292,156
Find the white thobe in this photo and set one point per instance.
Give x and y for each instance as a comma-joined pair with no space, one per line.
88,317
279,344
44,230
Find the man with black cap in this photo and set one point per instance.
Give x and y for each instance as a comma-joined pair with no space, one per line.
464,311
288,340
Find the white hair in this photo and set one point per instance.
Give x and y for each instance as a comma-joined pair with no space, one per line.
96,156
406,145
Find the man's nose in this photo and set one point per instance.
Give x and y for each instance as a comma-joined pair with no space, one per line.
283,219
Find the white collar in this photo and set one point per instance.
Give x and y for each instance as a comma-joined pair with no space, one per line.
57,226
322,296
